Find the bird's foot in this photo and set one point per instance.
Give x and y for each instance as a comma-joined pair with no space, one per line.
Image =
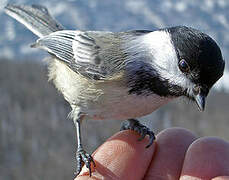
82,158
135,125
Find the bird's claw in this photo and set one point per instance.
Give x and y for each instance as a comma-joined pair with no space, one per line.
134,125
82,158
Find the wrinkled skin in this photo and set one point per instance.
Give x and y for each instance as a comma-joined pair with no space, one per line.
176,154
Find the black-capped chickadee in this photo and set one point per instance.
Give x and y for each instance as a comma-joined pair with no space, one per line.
123,75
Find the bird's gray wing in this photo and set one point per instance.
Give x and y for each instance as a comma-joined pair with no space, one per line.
93,54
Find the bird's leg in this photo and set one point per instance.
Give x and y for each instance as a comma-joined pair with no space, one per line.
82,157
135,125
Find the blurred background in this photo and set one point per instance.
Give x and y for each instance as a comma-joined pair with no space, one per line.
37,141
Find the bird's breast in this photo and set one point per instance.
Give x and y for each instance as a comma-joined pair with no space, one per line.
125,106
102,100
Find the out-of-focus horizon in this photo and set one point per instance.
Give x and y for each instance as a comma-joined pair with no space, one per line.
36,139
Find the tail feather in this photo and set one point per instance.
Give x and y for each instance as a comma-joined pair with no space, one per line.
36,18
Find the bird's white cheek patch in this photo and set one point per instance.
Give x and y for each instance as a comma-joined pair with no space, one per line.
165,59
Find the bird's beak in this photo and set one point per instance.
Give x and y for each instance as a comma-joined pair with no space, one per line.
200,101
199,95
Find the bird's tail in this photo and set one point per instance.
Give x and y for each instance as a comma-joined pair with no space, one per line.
35,17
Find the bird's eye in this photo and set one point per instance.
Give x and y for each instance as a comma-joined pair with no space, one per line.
183,65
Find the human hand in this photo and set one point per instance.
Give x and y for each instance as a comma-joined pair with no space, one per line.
176,154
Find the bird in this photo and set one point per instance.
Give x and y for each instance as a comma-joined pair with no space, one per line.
122,75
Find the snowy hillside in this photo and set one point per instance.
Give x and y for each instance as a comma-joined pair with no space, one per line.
211,17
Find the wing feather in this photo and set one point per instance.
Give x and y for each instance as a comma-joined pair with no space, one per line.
80,51
94,54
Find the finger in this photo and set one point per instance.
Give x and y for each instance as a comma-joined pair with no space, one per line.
121,157
221,178
206,158
171,146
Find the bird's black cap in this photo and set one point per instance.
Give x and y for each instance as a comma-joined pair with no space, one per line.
201,53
